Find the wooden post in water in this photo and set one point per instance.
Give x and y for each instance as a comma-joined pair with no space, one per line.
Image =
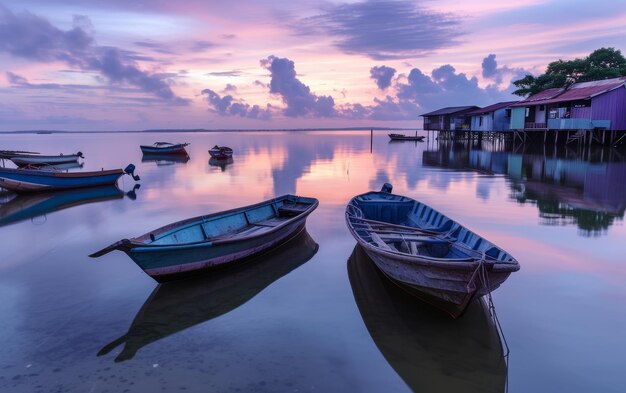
372,140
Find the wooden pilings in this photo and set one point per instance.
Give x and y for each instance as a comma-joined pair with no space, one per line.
582,138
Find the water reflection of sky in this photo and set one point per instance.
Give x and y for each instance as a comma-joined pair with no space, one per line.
561,312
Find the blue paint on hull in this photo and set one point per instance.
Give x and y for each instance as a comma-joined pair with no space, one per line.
24,180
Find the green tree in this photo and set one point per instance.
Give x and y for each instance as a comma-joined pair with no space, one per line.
603,63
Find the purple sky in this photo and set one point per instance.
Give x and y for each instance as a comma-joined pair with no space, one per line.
133,65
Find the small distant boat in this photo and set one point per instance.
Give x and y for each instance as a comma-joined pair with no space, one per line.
38,159
426,253
216,240
402,137
164,148
221,152
35,180
175,306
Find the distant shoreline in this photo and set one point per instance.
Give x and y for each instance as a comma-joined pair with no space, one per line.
209,131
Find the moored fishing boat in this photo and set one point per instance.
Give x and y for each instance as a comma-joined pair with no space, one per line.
216,240
221,152
164,148
402,137
426,253
38,159
35,180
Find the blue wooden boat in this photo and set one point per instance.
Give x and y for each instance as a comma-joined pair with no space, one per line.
426,253
216,240
36,180
164,148
178,305
428,350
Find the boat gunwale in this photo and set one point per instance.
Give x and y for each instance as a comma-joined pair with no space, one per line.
137,242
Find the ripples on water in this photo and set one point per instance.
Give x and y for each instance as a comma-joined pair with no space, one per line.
309,318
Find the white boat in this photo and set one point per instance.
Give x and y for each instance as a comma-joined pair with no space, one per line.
38,159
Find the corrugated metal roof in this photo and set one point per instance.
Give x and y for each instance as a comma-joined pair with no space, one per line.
450,110
491,108
578,91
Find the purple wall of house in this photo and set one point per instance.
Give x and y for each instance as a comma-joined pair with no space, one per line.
581,113
611,106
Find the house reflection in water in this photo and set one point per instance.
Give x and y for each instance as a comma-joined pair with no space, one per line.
567,191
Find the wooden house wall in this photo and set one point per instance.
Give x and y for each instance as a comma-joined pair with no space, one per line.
501,122
611,106
518,118
487,122
581,113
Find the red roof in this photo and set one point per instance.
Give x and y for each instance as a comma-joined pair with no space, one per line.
491,108
577,91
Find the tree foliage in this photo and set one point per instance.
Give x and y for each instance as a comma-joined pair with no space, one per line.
603,63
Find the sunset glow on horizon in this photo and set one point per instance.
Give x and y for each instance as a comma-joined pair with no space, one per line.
135,65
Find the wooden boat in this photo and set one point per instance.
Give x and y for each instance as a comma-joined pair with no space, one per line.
29,206
425,252
38,159
216,240
428,350
164,148
175,306
402,137
35,180
221,152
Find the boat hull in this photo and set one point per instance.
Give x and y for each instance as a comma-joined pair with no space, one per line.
180,262
405,137
176,149
221,153
24,180
448,288
23,160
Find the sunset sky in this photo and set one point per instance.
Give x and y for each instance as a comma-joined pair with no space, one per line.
135,65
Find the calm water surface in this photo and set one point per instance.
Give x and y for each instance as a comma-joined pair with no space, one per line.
314,316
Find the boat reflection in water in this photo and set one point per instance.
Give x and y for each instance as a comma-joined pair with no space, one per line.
165,159
178,305
28,206
430,351
220,162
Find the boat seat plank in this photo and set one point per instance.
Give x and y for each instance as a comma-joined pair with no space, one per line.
292,210
272,222
381,243
412,238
